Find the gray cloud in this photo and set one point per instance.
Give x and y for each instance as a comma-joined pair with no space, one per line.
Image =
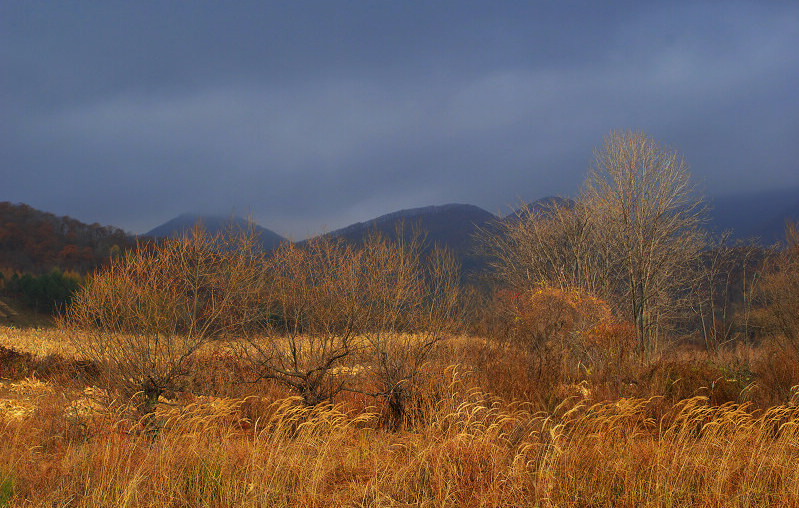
310,115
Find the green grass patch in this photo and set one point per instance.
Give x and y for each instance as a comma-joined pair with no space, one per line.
6,488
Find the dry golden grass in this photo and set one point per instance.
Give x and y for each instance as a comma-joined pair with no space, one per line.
464,448
37,341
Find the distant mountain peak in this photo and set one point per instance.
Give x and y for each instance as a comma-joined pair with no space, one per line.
452,225
410,214
539,205
213,224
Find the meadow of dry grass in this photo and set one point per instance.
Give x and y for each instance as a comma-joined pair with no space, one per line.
40,342
66,443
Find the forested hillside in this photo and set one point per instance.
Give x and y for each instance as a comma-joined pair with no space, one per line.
37,242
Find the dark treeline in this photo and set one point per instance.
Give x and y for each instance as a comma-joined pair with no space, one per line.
47,293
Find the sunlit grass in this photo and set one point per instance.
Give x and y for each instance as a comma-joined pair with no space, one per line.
40,342
76,447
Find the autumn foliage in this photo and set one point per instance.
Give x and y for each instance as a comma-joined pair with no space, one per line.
35,241
550,313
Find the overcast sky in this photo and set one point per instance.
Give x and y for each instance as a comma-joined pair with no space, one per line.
312,115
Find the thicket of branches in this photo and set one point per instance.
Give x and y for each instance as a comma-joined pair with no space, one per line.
319,318
151,309
779,292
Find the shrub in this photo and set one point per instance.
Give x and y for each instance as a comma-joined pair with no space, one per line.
777,372
15,364
555,323
678,379
610,344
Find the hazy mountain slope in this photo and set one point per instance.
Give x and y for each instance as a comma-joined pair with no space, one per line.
539,205
452,226
212,224
756,214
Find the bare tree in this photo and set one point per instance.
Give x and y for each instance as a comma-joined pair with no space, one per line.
711,298
352,318
752,267
314,317
145,314
779,292
722,289
648,212
412,300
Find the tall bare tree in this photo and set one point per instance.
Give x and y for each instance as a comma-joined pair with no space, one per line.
649,213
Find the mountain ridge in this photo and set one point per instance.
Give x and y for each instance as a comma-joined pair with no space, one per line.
213,224
407,214
750,215
760,214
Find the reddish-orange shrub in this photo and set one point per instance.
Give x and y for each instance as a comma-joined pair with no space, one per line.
554,327
555,318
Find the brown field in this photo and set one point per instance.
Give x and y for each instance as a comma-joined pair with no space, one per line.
482,434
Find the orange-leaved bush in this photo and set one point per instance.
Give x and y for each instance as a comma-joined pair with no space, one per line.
554,323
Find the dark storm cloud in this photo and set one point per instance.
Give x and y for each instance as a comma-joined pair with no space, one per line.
312,115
